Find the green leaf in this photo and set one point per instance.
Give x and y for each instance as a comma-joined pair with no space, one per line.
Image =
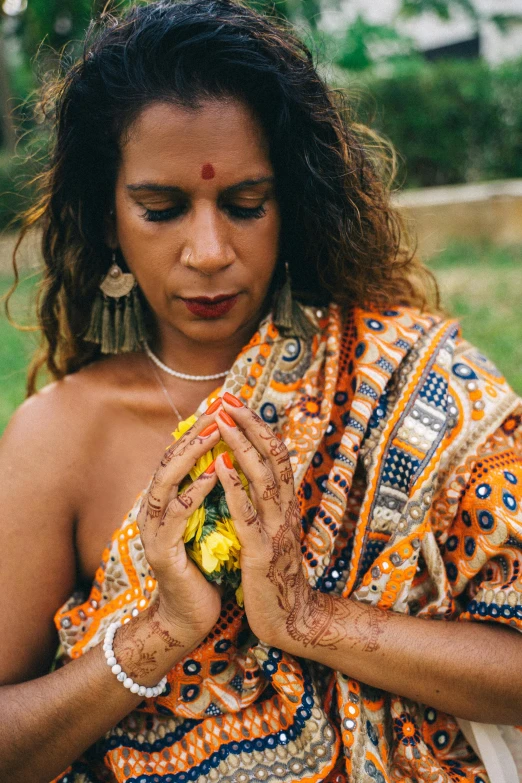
223,507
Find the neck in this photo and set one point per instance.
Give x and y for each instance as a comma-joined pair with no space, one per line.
195,357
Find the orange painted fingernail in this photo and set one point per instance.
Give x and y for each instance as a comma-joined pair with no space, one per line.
211,468
213,406
232,400
208,430
226,459
227,419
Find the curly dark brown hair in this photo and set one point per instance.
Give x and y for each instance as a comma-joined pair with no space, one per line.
341,237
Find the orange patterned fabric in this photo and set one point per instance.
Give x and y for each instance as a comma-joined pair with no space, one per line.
406,446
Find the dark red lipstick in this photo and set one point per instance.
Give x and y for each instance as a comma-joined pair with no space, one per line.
211,307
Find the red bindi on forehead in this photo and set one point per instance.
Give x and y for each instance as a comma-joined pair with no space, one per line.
207,171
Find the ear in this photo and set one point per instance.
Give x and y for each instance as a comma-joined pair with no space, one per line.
111,238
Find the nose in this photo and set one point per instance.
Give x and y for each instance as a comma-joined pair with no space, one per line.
208,248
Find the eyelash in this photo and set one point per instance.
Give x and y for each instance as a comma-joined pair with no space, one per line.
241,213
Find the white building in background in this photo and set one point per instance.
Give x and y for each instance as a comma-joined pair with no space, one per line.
432,35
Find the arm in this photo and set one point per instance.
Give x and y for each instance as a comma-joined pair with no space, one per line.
48,721
470,670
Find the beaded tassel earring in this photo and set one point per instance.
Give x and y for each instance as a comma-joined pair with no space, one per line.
117,319
289,316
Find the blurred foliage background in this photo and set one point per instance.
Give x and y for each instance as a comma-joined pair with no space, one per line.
452,121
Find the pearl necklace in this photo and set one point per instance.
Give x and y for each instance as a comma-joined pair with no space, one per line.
182,375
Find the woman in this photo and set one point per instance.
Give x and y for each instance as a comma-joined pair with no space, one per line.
200,161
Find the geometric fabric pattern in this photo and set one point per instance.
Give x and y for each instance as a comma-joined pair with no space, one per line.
406,448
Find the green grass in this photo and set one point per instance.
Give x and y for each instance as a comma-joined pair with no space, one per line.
481,285
16,347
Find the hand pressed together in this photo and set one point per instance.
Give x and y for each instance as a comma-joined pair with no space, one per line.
279,603
187,601
277,595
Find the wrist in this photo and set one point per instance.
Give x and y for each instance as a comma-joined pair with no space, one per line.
145,650
168,629
122,676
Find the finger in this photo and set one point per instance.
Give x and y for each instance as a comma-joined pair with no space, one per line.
177,462
174,520
268,444
247,522
263,483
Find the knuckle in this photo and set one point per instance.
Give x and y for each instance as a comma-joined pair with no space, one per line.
265,474
178,506
169,454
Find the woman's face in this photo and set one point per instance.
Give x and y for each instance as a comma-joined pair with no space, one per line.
196,216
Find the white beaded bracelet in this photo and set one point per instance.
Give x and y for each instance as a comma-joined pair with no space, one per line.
128,682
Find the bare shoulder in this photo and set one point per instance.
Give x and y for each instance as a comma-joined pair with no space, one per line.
43,456
64,415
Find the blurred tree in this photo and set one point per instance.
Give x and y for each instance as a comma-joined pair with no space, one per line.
7,126
56,24
365,44
441,8
50,27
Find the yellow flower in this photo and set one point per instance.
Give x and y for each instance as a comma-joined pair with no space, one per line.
216,548
220,549
194,551
204,461
183,426
195,524
226,526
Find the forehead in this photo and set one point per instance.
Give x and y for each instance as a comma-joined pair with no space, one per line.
167,138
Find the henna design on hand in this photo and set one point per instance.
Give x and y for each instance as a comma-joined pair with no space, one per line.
137,662
276,446
286,566
315,618
168,455
370,625
271,492
250,514
287,476
178,448
257,418
185,500
129,649
153,507
185,443
159,629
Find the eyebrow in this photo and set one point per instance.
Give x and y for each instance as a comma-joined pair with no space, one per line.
156,188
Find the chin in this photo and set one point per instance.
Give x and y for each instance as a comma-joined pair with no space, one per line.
212,330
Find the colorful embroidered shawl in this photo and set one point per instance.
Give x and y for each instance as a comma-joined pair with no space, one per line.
406,447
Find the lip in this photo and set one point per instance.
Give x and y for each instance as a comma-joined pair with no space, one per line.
207,308
208,299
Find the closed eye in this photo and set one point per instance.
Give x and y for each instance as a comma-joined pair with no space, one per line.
159,215
235,211
245,213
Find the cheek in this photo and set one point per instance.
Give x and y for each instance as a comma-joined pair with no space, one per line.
266,240
143,244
